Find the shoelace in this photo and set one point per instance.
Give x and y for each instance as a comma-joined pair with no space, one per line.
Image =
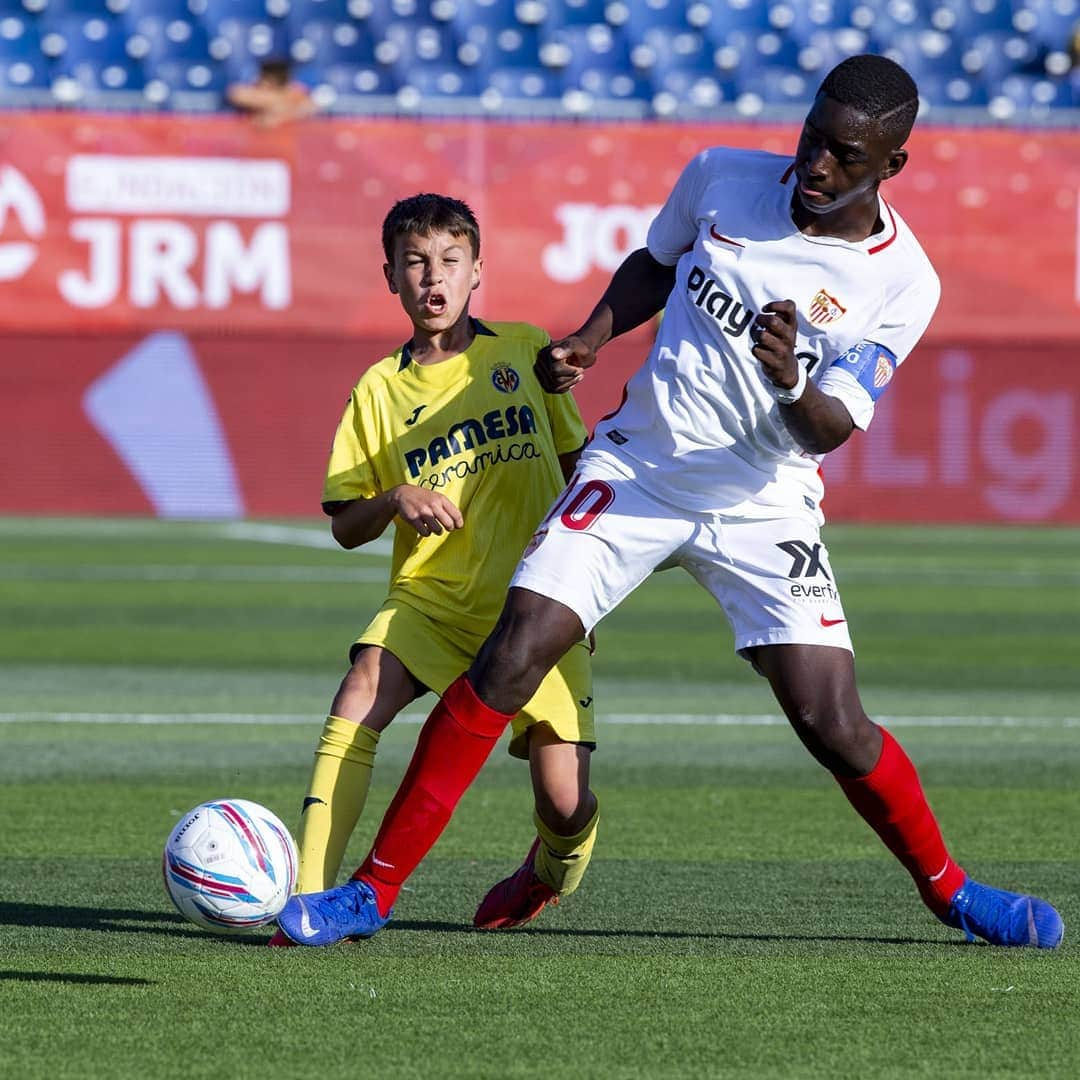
994,914
348,901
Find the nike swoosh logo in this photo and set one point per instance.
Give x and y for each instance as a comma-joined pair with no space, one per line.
831,622
585,702
416,413
305,923
311,800
378,862
722,238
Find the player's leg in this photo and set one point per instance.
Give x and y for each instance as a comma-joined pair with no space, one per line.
459,735
566,814
375,689
815,685
578,583
775,583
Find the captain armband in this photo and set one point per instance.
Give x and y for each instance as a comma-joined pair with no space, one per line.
870,364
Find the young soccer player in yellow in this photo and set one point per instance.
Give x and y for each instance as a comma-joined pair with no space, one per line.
452,440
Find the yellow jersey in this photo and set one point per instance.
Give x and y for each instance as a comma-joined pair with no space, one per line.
477,428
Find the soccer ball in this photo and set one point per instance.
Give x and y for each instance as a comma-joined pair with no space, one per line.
229,865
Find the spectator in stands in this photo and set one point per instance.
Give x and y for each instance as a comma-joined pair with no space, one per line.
273,98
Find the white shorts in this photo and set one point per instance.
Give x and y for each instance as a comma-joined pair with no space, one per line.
605,535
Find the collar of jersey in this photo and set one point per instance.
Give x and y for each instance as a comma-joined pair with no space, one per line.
871,245
424,370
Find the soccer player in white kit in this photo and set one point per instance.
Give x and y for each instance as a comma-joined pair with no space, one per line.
792,292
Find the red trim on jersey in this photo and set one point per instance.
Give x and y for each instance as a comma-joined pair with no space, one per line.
722,238
885,243
608,416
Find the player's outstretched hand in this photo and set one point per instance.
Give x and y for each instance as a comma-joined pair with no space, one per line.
773,334
561,365
428,512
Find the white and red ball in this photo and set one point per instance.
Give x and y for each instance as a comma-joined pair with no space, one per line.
230,865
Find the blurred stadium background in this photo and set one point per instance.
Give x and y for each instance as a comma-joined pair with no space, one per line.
186,299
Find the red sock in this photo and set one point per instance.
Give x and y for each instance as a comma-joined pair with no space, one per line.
891,800
454,743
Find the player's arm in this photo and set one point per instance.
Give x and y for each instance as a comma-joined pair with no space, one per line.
818,422
359,521
636,293
568,462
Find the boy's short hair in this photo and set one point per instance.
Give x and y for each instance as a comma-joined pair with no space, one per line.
426,214
879,88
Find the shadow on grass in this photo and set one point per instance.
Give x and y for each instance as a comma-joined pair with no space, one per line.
114,920
61,977
677,935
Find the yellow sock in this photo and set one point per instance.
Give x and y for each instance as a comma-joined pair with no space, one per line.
335,800
561,861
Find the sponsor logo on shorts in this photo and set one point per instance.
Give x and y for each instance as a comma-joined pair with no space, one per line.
808,561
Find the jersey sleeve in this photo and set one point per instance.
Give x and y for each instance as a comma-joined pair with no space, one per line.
675,228
350,473
904,322
567,428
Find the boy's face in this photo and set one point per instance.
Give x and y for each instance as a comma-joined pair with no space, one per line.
434,276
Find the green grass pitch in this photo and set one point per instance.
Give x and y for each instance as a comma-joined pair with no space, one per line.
738,919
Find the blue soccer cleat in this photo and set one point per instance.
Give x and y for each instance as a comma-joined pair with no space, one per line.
1004,918
323,918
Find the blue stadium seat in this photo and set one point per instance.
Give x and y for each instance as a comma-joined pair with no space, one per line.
800,20
212,12
363,79
502,45
525,84
966,18
660,49
205,78
575,12
160,9
926,52
421,42
780,86
951,91
81,36
240,41
23,73
994,55
161,38
1049,23
1033,92
301,11
572,49
321,42
19,37
440,80
642,15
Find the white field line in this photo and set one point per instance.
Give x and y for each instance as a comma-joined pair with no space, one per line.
902,569
621,719
194,572
140,528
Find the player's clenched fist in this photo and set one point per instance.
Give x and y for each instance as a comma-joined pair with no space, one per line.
773,334
561,365
428,512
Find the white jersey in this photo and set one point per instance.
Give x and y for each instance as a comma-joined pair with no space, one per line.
699,426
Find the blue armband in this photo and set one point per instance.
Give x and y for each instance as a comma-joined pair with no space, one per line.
871,364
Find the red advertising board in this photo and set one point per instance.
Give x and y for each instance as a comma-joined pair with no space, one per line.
184,304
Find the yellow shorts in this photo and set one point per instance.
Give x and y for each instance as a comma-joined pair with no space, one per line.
436,655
